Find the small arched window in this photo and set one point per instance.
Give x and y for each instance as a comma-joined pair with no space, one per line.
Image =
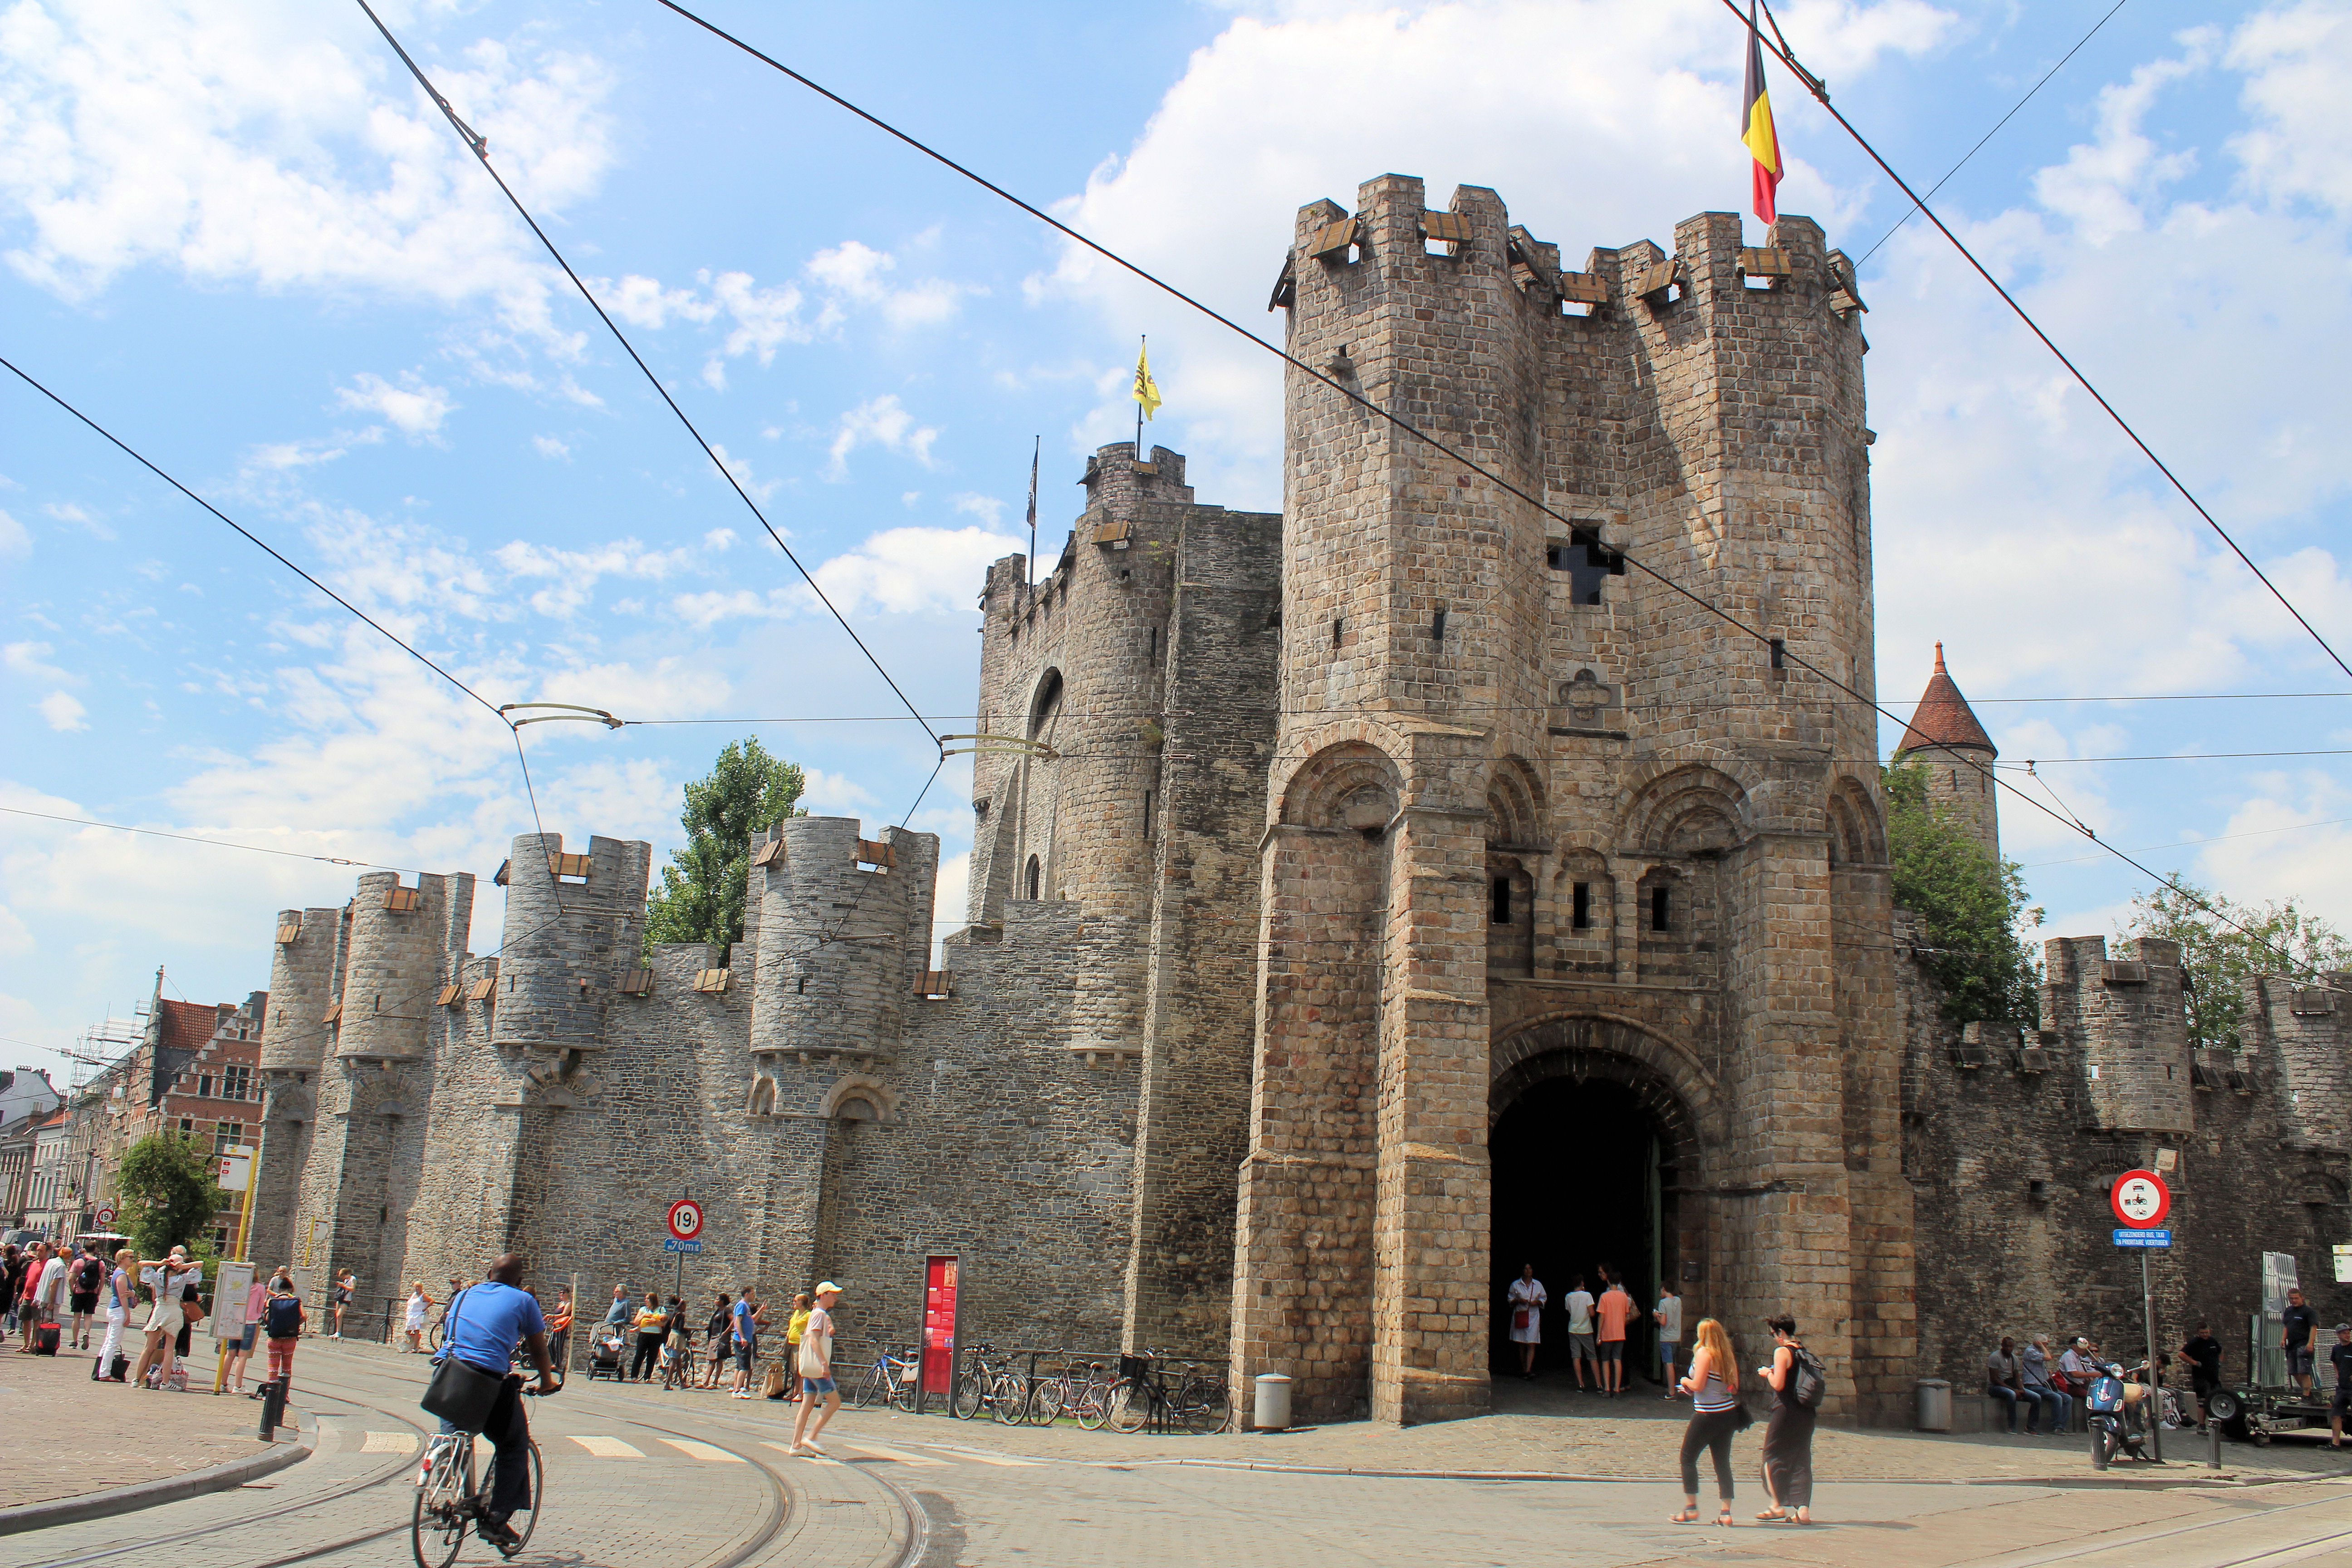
763,1098
1030,879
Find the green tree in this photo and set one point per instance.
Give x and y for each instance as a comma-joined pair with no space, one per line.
1972,906
167,1194
702,894
2218,956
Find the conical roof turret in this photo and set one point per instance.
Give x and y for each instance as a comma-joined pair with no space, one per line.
1943,717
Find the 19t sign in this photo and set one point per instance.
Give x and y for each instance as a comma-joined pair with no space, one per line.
2140,1199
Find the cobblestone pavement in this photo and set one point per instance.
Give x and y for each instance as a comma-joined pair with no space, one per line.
636,1478
62,1436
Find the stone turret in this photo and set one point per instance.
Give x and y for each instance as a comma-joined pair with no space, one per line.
1945,735
838,931
573,926
404,945
2121,1016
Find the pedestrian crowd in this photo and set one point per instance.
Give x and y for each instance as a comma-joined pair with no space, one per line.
1597,1329
57,1295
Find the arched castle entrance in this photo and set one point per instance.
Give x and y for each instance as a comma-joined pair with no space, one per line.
1591,1132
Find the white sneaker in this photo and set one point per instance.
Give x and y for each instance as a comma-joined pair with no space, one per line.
809,1445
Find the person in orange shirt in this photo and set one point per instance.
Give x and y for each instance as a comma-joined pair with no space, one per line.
1613,1311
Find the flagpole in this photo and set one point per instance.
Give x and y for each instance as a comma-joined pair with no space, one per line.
1034,452
1142,345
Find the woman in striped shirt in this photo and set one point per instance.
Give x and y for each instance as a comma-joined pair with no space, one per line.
1714,1387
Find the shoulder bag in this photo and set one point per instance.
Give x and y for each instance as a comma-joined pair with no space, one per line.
461,1395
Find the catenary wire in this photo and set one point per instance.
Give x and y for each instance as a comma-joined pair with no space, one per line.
214,843
1710,702
251,538
272,551
2196,843
1989,135
479,145
1813,85
1415,432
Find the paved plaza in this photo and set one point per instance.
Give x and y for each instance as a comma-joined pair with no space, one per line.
638,1476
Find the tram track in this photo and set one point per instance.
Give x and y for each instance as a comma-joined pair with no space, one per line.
397,1468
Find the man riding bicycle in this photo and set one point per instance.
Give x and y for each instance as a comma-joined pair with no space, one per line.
483,1327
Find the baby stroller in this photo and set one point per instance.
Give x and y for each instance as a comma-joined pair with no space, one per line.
604,1348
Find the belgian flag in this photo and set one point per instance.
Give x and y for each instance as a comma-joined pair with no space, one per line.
1756,130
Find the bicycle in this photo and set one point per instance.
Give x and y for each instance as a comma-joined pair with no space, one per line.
984,1386
891,1379
449,1499
1141,1397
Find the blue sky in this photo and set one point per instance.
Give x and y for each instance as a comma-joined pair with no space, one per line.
238,237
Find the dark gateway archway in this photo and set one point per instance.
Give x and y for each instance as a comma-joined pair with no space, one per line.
1586,1149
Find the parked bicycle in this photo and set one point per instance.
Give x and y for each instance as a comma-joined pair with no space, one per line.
450,1498
889,1380
987,1383
1148,1394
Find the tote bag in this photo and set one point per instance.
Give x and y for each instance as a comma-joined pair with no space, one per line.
460,1394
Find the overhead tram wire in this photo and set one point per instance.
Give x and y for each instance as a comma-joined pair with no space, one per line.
1412,430
481,147
1989,135
272,551
252,538
1814,85
210,843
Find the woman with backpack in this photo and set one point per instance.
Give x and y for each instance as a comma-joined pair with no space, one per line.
1798,1383
282,1324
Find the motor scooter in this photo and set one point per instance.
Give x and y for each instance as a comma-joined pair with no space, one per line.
2116,1420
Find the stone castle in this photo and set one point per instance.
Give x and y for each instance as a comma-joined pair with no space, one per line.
1365,899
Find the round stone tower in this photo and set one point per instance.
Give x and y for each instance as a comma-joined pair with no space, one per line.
394,967
573,927
839,930
302,970
1945,735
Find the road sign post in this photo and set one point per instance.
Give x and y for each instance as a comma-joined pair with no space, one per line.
685,1222
2142,1200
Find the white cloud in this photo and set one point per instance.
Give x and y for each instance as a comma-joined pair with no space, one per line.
253,144
549,446
908,571
832,795
988,509
1999,490
62,711
30,659
719,539
879,422
1598,124
853,273
15,539
644,302
740,469
572,574
80,518
2293,59
416,409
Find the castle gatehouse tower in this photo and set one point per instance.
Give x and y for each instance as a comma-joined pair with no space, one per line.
1573,894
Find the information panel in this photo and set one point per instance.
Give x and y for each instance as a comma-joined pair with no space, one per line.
939,1352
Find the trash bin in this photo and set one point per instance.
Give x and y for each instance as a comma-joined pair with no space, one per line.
1935,1404
1272,1413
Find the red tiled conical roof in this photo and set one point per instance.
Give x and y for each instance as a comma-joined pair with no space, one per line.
1942,718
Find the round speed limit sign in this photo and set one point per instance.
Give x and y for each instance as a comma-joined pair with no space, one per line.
104,1216
686,1219
2140,1199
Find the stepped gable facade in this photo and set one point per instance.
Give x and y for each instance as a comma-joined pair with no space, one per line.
1365,900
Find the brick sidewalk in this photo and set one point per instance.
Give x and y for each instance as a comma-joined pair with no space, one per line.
62,1436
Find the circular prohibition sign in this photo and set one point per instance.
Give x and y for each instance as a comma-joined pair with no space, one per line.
686,1219
2140,1199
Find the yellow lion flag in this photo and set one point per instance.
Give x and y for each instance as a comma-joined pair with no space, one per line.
1146,391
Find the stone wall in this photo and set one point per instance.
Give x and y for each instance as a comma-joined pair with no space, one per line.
2011,1147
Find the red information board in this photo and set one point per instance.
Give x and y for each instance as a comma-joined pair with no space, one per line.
938,1326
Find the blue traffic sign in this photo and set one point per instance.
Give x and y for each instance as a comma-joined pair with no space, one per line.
672,1244
2127,1238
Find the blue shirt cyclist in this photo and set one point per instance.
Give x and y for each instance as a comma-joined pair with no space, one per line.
488,1321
